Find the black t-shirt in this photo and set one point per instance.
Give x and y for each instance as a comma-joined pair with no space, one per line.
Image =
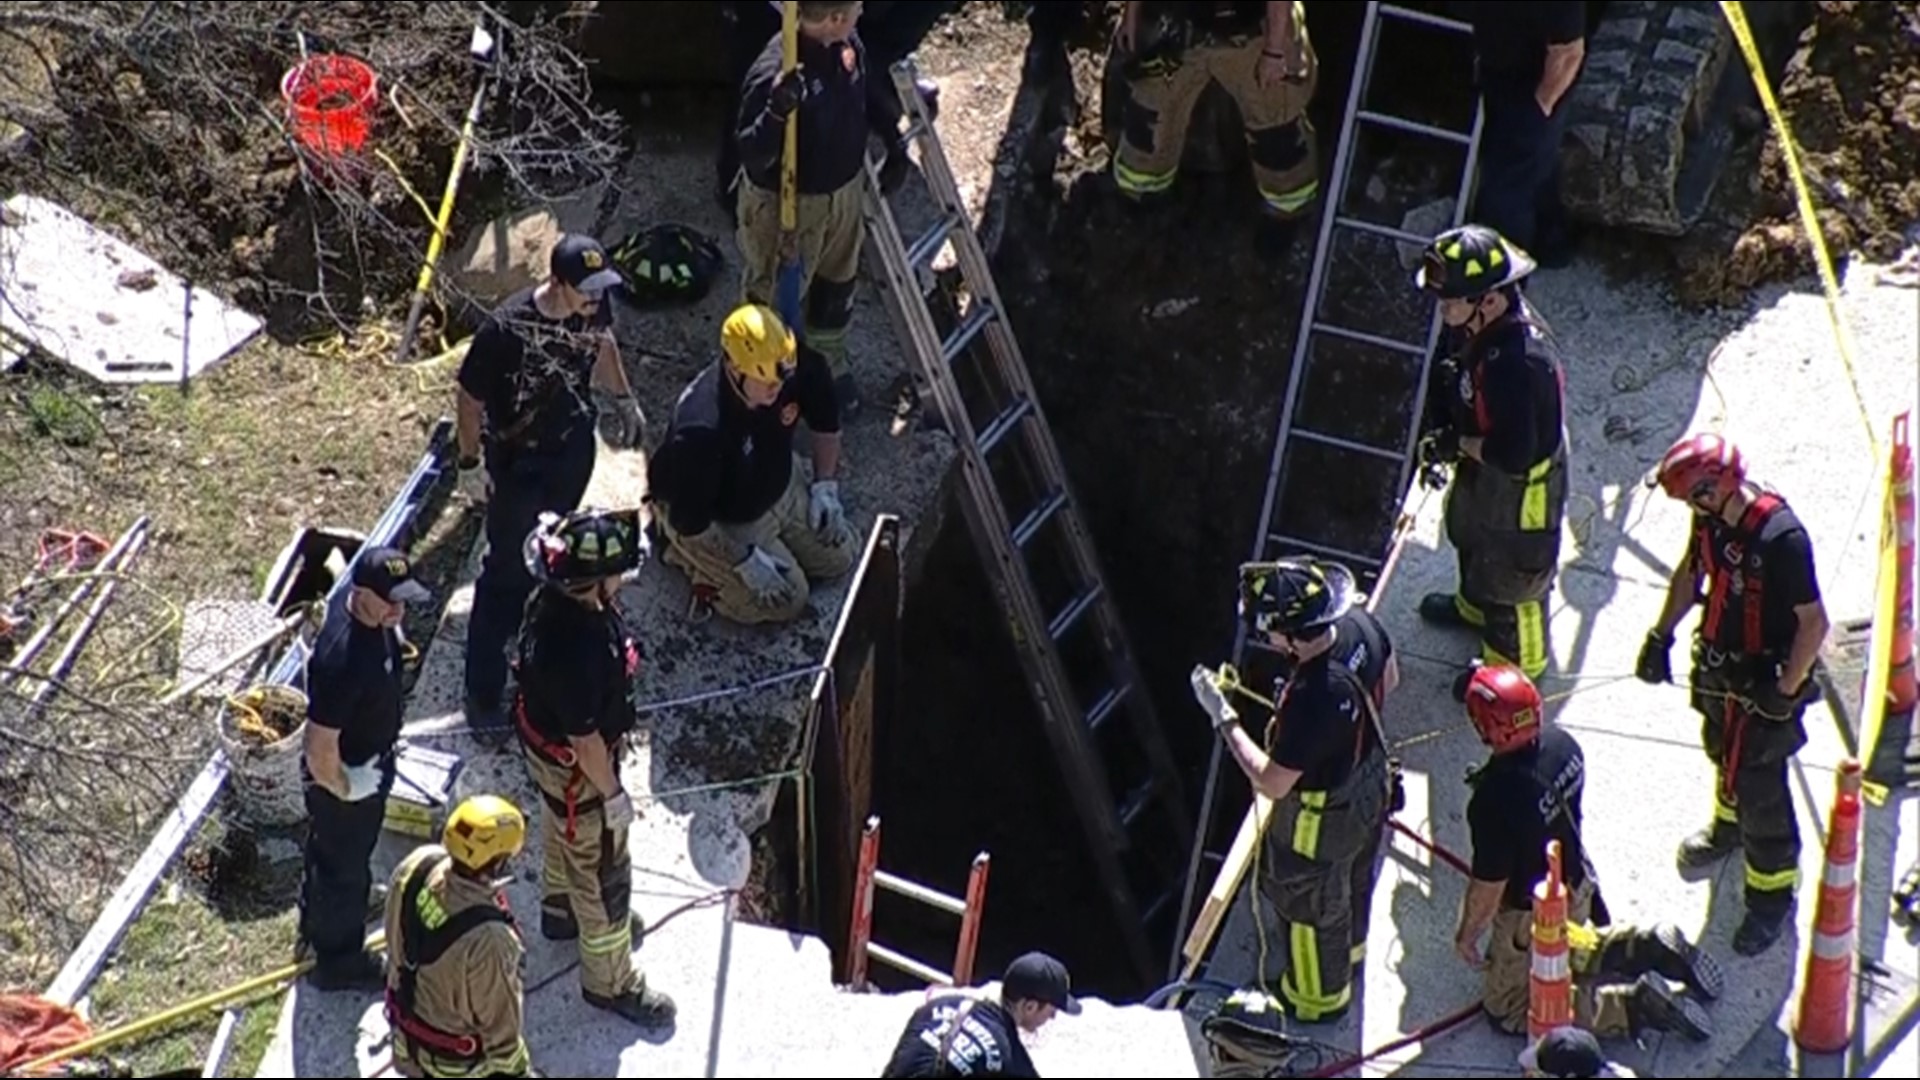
353,683
724,462
1511,39
987,1043
1769,550
1520,801
1324,728
832,141
1508,388
543,400
577,668
1213,18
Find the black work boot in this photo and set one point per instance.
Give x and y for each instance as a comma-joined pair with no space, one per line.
487,722
644,1006
1758,931
1441,610
1708,846
1665,951
1655,1007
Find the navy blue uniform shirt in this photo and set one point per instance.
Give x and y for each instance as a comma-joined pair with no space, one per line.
353,683
534,374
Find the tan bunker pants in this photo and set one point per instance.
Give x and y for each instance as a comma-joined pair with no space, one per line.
830,229
784,533
590,865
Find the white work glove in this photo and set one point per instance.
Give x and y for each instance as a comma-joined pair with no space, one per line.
1212,699
362,780
627,422
476,486
765,577
829,518
619,811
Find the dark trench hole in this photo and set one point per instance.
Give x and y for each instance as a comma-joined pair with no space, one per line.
1161,349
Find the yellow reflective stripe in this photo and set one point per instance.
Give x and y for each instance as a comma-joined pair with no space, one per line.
619,939
1292,202
1358,954
1724,810
1532,619
1777,881
1306,825
516,1061
1302,985
1469,611
1533,504
1140,182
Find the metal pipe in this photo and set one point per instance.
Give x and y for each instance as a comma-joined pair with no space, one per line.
62,665
199,682
23,660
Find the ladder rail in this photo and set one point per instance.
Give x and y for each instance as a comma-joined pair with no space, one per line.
1331,221
862,950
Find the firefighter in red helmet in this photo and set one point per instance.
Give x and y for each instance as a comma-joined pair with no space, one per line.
1751,562
1529,793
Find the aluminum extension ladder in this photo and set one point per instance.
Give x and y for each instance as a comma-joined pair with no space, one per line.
862,949
1273,539
1072,647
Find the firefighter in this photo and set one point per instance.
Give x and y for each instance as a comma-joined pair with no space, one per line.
1495,417
1326,770
1753,656
454,992
827,96
576,672
1260,53
1528,793
524,397
726,495
354,707
960,1034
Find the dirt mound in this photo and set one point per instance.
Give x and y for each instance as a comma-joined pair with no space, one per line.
1851,92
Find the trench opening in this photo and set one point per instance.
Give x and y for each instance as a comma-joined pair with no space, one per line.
1161,348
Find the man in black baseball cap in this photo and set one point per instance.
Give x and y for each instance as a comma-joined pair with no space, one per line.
963,1035
526,401
1568,1051
388,574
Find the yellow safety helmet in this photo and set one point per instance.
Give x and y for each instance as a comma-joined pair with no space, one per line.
758,343
483,830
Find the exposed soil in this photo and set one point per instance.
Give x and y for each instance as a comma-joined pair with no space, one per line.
1851,93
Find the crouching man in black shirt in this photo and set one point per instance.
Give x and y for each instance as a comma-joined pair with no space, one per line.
574,709
963,1035
1527,794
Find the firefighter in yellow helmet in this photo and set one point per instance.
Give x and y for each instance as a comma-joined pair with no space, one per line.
454,993
736,515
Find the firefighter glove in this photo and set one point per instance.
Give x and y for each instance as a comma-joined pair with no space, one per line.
788,92
765,577
619,810
1656,664
628,422
363,781
828,517
1212,699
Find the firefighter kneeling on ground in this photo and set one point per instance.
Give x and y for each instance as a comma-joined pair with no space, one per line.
576,675
1528,793
1753,658
454,993
1495,417
1326,770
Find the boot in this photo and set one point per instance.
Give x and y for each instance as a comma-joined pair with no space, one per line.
1440,610
1665,951
354,971
1708,846
558,926
643,1005
1655,1007
1758,932
487,722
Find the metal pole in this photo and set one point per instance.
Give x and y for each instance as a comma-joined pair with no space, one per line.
23,659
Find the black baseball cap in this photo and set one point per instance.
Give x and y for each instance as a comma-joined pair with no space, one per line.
1565,1051
1039,977
388,573
581,262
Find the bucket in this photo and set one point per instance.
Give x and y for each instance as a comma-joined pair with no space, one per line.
261,731
330,104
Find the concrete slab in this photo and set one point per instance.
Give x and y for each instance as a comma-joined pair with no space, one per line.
96,302
1639,376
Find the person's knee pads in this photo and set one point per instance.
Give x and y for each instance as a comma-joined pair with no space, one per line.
830,304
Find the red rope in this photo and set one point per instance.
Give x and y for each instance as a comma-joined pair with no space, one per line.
1438,1027
1439,852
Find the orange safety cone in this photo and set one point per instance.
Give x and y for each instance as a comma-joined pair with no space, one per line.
1825,1024
1903,688
1550,981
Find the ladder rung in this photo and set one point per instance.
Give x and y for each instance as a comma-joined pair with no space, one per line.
1377,229
1323,549
1413,127
1037,518
1343,444
900,961
1057,628
1003,424
1374,340
913,890
924,248
1108,704
977,318
1438,22
1137,802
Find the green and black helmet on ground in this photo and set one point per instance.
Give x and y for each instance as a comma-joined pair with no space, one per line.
668,264
1294,597
1471,261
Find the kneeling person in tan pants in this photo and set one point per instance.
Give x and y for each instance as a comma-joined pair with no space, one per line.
725,494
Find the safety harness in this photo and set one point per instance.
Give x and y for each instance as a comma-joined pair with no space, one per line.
424,945
1742,575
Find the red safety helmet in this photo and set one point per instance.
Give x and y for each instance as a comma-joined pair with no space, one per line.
1700,462
1504,706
